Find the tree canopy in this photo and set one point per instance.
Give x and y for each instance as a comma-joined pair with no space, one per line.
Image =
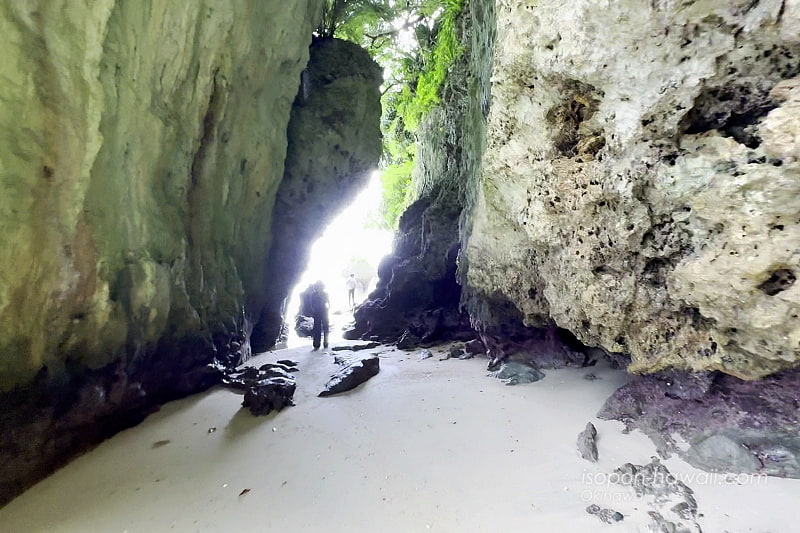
415,42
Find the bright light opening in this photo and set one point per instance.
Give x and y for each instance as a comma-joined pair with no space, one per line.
352,244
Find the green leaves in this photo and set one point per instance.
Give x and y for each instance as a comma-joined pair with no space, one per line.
416,42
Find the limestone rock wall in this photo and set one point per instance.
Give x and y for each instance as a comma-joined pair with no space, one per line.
641,183
141,147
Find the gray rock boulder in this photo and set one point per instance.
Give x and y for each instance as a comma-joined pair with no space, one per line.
352,374
587,443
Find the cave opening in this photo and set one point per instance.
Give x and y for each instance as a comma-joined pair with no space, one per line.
354,242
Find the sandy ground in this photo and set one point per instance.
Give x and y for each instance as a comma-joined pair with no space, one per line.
427,445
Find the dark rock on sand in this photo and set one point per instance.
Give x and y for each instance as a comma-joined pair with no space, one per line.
673,507
408,341
267,388
609,516
587,443
353,373
456,351
516,372
475,347
274,394
732,425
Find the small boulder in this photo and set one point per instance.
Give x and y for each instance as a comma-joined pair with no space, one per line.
609,516
353,374
475,347
274,394
719,453
517,372
587,443
303,326
408,341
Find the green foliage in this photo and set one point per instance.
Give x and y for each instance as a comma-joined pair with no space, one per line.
416,43
396,181
436,63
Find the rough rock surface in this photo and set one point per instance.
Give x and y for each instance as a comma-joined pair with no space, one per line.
417,292
641,183
671,503
334,146
587,443
730,425
353,373
416,300
517,372
267,388
142,144
608,516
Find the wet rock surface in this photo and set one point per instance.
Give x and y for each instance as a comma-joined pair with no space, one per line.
354,372
672,506
269,396
517,372
356,347
587,443
730,425
267,388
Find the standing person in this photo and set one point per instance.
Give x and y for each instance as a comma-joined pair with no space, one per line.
319,312
351,291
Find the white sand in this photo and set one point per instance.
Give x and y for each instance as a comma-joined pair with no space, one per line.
424,446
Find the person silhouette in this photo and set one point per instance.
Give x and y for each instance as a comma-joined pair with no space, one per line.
351,284
319,312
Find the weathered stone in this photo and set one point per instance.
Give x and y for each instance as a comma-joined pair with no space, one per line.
517,372
718,453
673,507
644,193
268,396
357,347
456,350
609,516
408,341
353,374
267,388
475,347
587,444
138,177
424,354
748,420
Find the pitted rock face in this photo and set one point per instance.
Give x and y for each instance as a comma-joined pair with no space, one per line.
641,182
